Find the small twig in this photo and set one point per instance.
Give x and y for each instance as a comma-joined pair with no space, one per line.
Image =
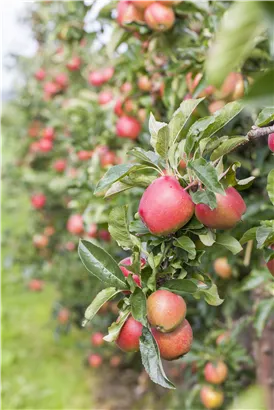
191,185
257,132
248,252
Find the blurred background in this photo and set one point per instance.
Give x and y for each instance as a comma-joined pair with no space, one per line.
79,80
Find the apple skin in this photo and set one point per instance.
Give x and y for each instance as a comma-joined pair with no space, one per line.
49,230
75,224
70,246
95,360
118,108
174,344
60,165
211,398
165,206
216,106
40,241
63,316
165,310
97,339
271,142
84,155
127,13
104,235
230,208
96,78
126,272
115,361
126,88
144,83
233,87
105,97
159,17
222,268
215,373
128,127
36,285
40,74
142,4
74,64
92,232
45,145
62,80
38,201
48,133
128,339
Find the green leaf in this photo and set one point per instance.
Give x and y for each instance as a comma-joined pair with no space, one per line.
187,244
265,117
180,118
116,188
262,90
208,239
254,279
138,227
115,327
118,36
230,50
249,235
101,264
151,360
211,295
195,132
97,303
180,286
118,226
227,146
138,306
270,186
229,242
204,197
264,309
264,236
154,128
113,174
207,175
148,157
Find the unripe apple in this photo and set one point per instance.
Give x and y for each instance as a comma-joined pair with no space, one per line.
222,268
36,285
84,155
126,88
174,344
109,158
128,339
215,373
96,78
270,264
128,127
40,241
216,106
45,145
222,338
233,87
144,83
60,165
38,201
49,230
62,80
142,4
92,232
128,13
104,97
229,210
75,224
115,361
74,64
165,310
95,360
271,142
48,133
165,206
211,398
104,235
40,74
63,316
118,108
97,339
159,17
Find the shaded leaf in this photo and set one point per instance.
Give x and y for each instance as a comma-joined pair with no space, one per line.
98,302
115,327
226,147
207,175
229,242
118,226
138,306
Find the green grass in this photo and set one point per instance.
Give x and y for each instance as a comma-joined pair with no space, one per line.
37,371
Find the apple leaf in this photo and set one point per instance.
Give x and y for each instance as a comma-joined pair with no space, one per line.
138,306
118,226
207,175
270,186
229,242
115,327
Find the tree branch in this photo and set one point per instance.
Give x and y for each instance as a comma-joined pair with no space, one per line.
257,132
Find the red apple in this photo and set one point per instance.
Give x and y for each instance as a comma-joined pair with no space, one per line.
109,158
230,208
216,106
36,285
95,360
115,361
96,78
50,88
128,13
215,373
128,339
62,80
165,206
118,108
49,230
74,64
271,142
128,127
222,338
104,235
211,398
92,232
40,74
159,17
45,145
40,241
126,272
70,246
60,165
105,97
38,201
63,316
75,224
144,83
126,88
142,4
84,155
48,133
222,268
108,73
97,339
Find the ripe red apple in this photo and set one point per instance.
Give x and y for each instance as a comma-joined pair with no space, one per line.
104,235
96,78
165,206
50,88
48,133
60,165
40,241
36,285
222,268
211,398
62,80
95,360
84,155
115,361
144,83
40,74
74,64
126,88
142,4
92,232
108,73
70,246
97,339
174,344
75,224
215,373
127,13
271,142
105,97
165,310
159,17
230,208
45,145
128,339
118,108
109,158
126,272
63,315
38,201
128,127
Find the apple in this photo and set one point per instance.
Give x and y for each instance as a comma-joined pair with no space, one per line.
75,224
159,17
128,127
271,142
38,201
222,268
211,398
215,373
128,339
